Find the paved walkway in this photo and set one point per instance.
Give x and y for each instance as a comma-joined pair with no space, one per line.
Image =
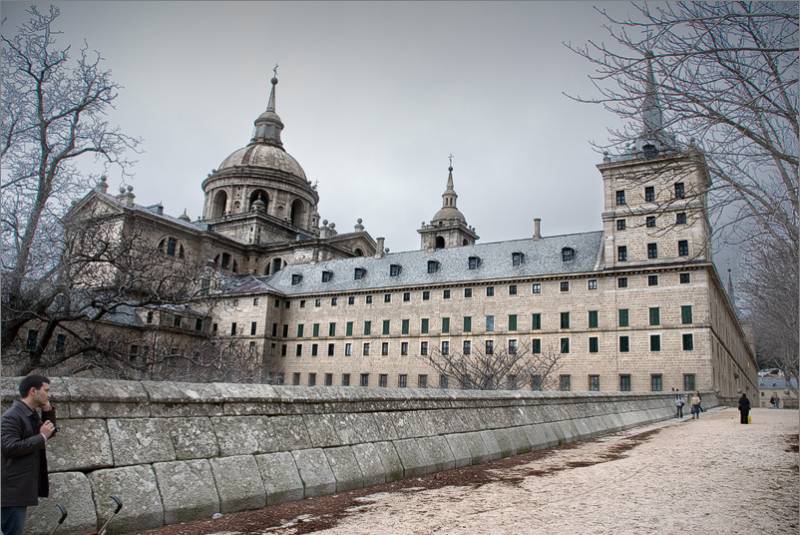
709,476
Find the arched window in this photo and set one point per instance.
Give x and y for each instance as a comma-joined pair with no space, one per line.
219,204
171,247
358,252
258,195
567,254
465,242
439,242
297,213
277,264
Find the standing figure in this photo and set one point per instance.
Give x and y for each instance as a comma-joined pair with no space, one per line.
24,462
679,403
744,408
772,402
777,401
695,401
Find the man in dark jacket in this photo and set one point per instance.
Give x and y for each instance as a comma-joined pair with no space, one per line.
24,462
744,408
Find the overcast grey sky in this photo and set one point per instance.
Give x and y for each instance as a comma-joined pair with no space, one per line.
374,96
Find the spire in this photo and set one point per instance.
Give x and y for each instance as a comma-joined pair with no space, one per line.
269,124
652,117
449,196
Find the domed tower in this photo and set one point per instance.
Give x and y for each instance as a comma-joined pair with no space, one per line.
261,181
448,228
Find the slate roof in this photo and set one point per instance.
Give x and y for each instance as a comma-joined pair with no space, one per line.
542,257
778,383
153,211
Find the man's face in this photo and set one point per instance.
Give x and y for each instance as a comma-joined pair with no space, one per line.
41,395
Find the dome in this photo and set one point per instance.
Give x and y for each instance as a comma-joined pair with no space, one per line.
448,213
266,156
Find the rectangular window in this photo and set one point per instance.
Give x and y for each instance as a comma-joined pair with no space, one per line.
296,379
387,298
652,280
623,317
331,349
345,379
386,326
686,314
685,278
512,289
328,379
680,218
445,347
426,295
402,380
564,383
423,348
315,330
620,197
423,326
592,319
536,288
444,381
656,382
404,325
592,284
489,291
564,286
176,322
565,345
283,348
198,324
467,324
680,192
383,380
364,379
688,382
624,344
150,317
564,320
624,382
467,347
650,221
536,321
512,347
368,299
214,328
312,379
683,248
233,329
351,300
655,316
61,343
406,297
652,250
622,253
489,323
655,342
314,350
489,347
334,301
649,194
384,348
367,328
445,294
536,346
536,382
274,329
394,270
317,303
445,325
512,322
688,342
593,344
365,349
594,383
622,282
348,328
620,224
348,349
403,348
300,330
467,293
332,328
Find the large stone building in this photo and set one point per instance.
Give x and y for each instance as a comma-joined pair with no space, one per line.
635,306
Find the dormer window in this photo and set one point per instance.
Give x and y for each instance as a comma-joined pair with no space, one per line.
359,273
567,254
433,266
296,279
474,262
517,259
395,269
327,276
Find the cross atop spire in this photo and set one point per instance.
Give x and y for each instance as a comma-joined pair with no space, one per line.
269,125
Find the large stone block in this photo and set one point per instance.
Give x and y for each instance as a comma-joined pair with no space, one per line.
321,430
140,440
279,475
345,468
90,398
79,445
136,487
369,461
285,433
73,491
318,479
437,449
493,450
416,462
192,438
477,447
187,490
504,441
519,440
241,435
170,399
238,483
384,423
391,461
460,449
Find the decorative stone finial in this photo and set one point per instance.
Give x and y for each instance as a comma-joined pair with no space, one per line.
184,216
359,227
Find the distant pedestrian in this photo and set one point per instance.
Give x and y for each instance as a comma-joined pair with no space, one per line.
679,403
24,476
777,401
695,401
772,402
744,409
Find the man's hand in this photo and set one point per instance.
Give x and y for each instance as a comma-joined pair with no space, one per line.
47,429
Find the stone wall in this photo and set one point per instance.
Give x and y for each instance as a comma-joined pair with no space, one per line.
181,451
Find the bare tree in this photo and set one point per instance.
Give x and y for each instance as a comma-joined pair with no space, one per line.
54,115
506,368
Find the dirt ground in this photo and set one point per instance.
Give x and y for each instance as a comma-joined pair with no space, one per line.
709,476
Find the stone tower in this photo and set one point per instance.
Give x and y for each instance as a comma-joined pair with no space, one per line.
448,228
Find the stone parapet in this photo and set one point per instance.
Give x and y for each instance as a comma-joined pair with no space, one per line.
181,451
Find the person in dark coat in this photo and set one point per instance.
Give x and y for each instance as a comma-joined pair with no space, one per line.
744,408
24,462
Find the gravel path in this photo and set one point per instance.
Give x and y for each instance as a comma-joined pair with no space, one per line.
710,476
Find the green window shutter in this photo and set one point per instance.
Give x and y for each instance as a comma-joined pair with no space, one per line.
405,326
332,329
565,320
386,326
655,316
299,330
688,343
367,327
445,325
624,344
424,326
467,324
686,314
623,317
593,344
655,342
592,319
349,328
316,329
536,346
565,345
536,321
512,322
